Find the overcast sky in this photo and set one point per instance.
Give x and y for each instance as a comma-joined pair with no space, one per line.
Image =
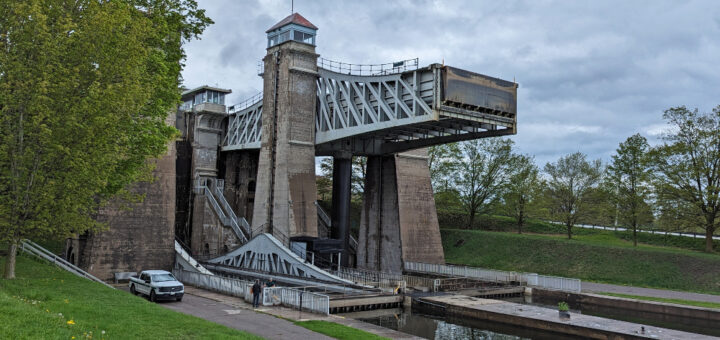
591,73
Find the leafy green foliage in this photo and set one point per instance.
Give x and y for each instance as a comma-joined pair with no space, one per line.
483,174
629,174
687,167
85,91
523,190
571,180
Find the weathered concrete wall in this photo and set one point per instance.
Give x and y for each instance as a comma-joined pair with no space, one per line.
419,227
398,221
140,238
286,190
241,169
379,243
667,312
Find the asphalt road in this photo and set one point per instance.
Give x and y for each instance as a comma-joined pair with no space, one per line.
266,326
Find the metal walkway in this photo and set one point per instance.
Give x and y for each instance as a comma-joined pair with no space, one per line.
393,112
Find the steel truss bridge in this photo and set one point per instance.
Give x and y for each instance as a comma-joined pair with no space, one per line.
392,110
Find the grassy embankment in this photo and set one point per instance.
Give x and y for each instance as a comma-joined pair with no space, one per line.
45,302
337,331
599,257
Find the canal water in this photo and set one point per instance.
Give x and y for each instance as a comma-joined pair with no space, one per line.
432,327
435,327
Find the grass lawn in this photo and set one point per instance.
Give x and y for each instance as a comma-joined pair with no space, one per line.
592,257
675,301
45,302
337,331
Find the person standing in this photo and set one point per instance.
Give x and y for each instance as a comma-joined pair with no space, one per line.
256,290
270,283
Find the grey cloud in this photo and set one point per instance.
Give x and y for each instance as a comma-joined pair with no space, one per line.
613,65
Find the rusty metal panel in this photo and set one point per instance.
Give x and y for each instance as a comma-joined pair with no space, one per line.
468,88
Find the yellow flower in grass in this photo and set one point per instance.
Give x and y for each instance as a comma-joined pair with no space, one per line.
71,322
67,301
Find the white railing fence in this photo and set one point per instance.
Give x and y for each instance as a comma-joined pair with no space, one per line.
499,276
284,296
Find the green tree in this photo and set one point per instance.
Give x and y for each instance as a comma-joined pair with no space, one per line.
523,190
483,174
572,179
688,166
85,90
443,161
629,173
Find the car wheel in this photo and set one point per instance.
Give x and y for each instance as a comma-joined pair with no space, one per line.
132,290
178,299
153,298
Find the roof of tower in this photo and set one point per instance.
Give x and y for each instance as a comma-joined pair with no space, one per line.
294,18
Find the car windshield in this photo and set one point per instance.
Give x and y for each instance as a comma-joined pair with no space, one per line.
163,277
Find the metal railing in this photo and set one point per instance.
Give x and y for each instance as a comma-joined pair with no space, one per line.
246,103
323,215
179,250
325,218
296,298
33,248
368,69
224,285
228,221
218,188
530,279
284,296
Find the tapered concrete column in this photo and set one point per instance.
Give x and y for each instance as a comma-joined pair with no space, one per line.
342,176
398,222
286,191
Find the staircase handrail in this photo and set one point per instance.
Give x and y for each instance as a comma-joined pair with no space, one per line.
353,243
226,221
323,215
189,259
230,213
33,248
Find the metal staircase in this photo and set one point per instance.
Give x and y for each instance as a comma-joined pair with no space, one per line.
325,225
213,191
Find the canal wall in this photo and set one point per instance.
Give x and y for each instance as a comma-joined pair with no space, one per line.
603,302
544,319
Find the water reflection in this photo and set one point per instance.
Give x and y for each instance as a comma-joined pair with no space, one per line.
429,327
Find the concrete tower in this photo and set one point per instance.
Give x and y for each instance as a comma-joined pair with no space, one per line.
286,191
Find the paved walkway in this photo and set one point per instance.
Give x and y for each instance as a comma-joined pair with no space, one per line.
591,287
264,323
266,326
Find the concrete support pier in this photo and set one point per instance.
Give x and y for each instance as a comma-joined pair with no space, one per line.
398,222
286,191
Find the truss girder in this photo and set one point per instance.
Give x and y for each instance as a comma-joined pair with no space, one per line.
349,105
244,129
264,253
371,115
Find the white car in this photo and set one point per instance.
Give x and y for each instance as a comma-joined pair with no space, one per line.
156,285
